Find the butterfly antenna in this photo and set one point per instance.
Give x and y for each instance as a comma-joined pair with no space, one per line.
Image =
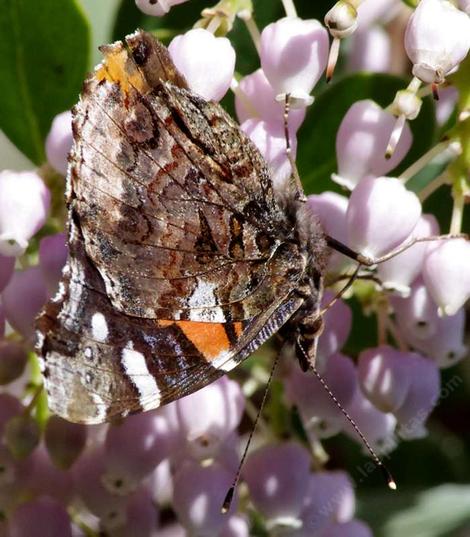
387,475
340,293
295,179
231,491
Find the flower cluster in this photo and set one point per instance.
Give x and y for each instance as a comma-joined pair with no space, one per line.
166,472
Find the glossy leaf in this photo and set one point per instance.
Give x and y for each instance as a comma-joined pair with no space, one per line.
44,53
316,155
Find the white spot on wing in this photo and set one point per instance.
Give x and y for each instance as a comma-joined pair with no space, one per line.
99,327
224,362
201,294
136,368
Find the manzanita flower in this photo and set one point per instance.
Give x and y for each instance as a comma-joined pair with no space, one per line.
52,257
157,8
371,51
256,99
330,208
383,377
23,298
59,141
337,326
65,441
277,476
208,416
377,426
400,272
418,312
373,11
447,276
41,517
354,528
330,498
437,39
382,213
13,359
424,382
24,204
206,61
293,56
198,496
270,139
361,143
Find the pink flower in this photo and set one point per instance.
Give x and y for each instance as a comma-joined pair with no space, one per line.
381,215
59,142
446,273
24,204
437,39
157,8
361,143
206,61
293,56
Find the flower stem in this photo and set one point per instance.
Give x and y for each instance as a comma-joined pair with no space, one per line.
289,8
431,187
457,212
252,28
424,160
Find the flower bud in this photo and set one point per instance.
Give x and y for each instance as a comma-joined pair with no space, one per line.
22,299
59,142
446,343
422,396
255,99
354,528
52,257
236,526
318,410
21,435
24,204
198,497
371,51
206,61
293,56
9,406
341,19
330,208
141,516
437,39
378,427
41,517
157,8
127,463
270,139
418,312
406,103
277,476
374,11
7,266
13,359
381,215
337,323
361,143
330,498
447,276
383,377
208,416
65,441
399,272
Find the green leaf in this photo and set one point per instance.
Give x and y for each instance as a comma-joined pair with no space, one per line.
44,53
438,512
316,155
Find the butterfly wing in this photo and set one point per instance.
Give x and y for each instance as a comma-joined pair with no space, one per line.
181,263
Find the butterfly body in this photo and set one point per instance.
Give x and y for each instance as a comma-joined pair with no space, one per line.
182,257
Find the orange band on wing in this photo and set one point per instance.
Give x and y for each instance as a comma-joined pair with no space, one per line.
210,339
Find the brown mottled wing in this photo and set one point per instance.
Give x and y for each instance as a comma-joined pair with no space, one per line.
99,364
180,261
175,203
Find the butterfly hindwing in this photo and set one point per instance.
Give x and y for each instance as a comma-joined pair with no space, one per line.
181,262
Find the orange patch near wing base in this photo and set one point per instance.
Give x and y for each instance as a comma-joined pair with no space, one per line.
210,339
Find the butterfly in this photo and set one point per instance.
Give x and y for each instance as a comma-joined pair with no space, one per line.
183,258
